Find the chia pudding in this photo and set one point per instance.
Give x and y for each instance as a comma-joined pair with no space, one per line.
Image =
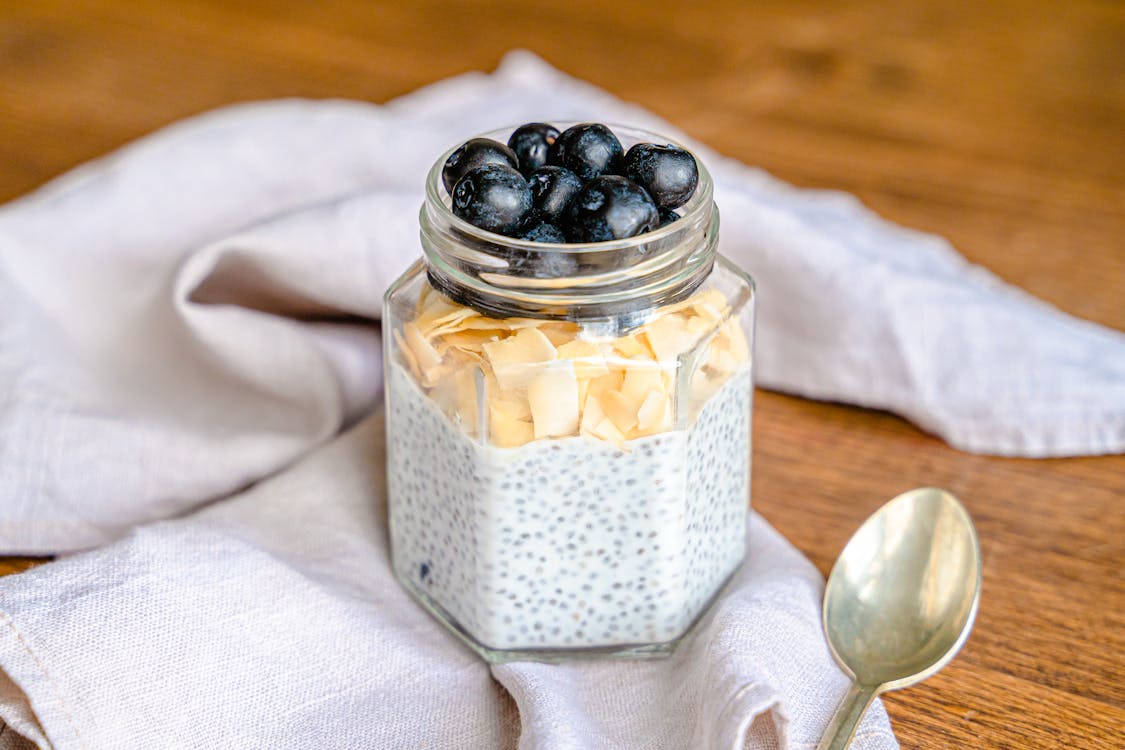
572,542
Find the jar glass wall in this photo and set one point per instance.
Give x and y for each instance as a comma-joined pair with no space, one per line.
568,432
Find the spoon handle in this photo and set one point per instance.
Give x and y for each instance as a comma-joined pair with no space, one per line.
855,704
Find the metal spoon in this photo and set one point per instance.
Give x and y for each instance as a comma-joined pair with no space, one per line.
901,600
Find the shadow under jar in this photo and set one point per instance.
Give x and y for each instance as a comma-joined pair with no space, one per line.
569,431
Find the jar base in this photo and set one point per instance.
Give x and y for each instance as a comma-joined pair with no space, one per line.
625,651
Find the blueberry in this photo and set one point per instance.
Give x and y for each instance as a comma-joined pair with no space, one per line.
493,197
610,208
552,190
546,264
530,143
549,264
667,216
473,153
543,232
589,150
668,173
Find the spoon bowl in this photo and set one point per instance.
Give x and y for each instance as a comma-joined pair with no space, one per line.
901,599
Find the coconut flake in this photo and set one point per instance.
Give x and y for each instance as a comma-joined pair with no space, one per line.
655,413
631,347
621,410
722,362
517,359
499,324
611,381
511,433
699,325
509,416
592,414
408,355
606,430
559,333
737,340
470,341
669,337
589,362
553,398
702,387
639,381
708,311
427,356
467,408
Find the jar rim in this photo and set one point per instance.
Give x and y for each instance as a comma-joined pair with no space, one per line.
699,202
503,276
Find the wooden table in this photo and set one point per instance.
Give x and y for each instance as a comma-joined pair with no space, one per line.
1000,125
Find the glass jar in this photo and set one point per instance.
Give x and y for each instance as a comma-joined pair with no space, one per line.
568,431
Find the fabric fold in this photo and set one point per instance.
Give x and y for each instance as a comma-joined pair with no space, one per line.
203,305
273,619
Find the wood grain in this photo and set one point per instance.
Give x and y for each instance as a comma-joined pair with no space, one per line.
1000,125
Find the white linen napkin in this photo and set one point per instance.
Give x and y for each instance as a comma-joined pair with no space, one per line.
197,312
273,620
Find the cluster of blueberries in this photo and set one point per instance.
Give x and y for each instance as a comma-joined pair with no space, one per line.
579,185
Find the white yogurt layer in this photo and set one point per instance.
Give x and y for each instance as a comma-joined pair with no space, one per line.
570,542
